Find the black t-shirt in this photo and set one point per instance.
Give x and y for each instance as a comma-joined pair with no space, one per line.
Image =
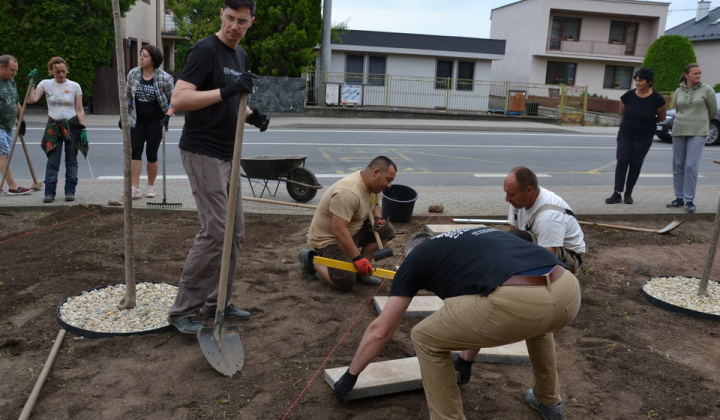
640,115
210,65
467,262
146,102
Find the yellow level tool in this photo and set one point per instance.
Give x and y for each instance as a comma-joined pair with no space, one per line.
342,265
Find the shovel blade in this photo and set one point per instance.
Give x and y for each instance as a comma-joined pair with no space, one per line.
671,226
222,348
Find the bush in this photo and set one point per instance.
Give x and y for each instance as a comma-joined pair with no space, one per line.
717,88
667,57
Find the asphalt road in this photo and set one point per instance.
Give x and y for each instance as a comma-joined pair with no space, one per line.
429,158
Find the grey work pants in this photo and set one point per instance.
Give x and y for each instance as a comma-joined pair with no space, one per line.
687,151
507,315
210,183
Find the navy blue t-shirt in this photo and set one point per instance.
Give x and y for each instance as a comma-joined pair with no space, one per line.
210,65
467,262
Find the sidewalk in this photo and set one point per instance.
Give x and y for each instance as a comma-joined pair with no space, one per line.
458,201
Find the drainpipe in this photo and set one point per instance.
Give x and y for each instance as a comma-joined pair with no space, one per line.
325,52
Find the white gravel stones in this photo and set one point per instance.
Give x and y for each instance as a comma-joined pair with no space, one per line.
682,292
97,310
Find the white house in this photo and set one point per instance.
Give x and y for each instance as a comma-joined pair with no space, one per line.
439,69
145,21
594,43
704,33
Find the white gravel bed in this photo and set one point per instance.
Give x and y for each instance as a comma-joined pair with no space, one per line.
97,310
682,292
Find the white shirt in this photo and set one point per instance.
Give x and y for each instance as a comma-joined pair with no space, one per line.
552,228
60,98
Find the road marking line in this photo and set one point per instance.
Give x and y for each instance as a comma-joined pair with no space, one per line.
504,175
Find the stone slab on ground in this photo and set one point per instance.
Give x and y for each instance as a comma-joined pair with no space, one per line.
381,378
420,306
437,229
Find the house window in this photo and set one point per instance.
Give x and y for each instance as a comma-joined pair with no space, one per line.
624,33
560,73
354,69
564,28
466,75
376,74
617,77
443,73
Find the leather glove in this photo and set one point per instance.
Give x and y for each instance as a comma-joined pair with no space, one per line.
33,74
166,121
22,128
379,224
363,265
259,120
243,83
344,385
465,369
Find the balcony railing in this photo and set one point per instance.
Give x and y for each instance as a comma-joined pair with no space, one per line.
604,48
168,23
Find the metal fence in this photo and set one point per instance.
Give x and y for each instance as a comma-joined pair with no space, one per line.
391,91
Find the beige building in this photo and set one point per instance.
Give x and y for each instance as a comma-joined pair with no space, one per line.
148,22
594,43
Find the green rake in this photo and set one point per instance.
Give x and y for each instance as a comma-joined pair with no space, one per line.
164,202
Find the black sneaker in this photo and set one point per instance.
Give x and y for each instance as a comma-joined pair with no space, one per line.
189,325
548,412
614,199
628,198
231,312
307,270
690,207
678,202
368,280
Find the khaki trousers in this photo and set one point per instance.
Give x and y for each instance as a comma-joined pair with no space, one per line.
210,182
508,315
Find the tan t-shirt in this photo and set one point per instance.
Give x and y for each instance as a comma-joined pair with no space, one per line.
348,199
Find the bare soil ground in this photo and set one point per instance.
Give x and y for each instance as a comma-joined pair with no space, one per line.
621,358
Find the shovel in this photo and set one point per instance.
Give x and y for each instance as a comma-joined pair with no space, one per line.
221,345
666,229
381,253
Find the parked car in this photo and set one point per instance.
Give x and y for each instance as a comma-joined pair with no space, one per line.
664,129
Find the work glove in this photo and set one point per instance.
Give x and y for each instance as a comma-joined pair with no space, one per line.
363,265
83,136
259,120
33,74
243,83
344,385
22,128
120,123
379,224
166,121
465,369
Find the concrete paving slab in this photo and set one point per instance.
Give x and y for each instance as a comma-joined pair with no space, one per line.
437,229
420,306
381,378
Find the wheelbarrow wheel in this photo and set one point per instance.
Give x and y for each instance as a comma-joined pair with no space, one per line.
300,193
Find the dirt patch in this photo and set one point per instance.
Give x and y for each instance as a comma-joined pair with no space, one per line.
622,358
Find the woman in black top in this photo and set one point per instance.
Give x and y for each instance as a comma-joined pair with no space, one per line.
641,108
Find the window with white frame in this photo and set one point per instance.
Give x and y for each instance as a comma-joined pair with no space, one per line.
619,77
354,68
465,76
376,72
443,74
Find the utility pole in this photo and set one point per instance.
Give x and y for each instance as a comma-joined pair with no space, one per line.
324,68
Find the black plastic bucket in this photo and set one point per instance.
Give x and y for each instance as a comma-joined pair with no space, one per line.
398,203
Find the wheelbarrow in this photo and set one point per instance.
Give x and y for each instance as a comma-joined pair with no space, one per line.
261,171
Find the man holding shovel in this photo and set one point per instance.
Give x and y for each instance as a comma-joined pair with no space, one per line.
341,229
10,111
215,73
